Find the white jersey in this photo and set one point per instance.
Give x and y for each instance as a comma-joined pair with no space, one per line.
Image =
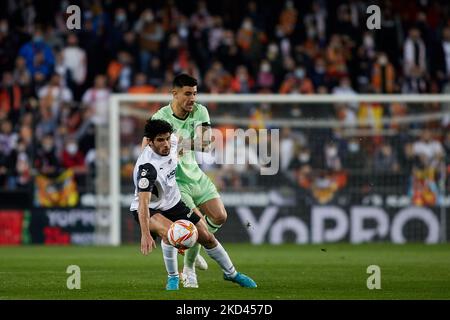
156,174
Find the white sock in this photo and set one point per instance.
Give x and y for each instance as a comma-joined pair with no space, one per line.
221,257
170,259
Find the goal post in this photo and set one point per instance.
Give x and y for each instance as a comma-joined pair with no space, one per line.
122,104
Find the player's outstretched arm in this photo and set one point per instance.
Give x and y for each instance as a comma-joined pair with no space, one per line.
147,241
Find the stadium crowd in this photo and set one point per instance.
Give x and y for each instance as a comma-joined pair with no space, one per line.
56,82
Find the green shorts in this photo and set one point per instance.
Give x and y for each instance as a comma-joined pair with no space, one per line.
195,193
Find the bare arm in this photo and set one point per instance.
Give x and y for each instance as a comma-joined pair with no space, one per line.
147,241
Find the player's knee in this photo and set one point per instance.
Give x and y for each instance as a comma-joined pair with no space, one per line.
220,218
163,235
208,240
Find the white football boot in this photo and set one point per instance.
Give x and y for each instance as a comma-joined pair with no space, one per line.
189,278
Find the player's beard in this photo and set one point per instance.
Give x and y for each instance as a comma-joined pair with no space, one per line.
165,152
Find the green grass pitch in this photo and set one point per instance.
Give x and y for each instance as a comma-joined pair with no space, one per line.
331,271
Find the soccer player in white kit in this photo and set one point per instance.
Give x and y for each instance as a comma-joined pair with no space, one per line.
157,203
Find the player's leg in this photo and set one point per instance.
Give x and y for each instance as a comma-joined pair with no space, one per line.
159,225
207,199
213,210
204,195
215,213
192,258
216,251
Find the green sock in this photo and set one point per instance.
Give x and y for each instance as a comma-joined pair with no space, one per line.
191,254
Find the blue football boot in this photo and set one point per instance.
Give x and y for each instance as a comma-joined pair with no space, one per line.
172,283
242,280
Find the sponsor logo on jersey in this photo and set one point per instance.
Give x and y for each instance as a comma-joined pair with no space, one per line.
171,174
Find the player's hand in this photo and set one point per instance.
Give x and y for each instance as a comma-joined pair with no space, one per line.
147,244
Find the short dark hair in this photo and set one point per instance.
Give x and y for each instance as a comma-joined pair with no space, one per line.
184,79
155,127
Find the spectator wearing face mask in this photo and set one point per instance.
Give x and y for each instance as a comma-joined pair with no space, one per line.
21,74
242,81
46,161
74,60
120,71
266,78
301,167
72,158
383,75
38,55
385,159
414,63
297,82
302,158
8,138
217,79
345,89
319,73
332,160
150,34
19,171
355,157
47,123
430,150
288,18
96,99
54,94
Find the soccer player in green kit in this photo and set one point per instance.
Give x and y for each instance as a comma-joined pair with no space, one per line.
190,120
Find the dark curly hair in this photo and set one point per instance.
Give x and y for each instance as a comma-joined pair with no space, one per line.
155,127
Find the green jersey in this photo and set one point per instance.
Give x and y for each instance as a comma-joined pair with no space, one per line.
187,169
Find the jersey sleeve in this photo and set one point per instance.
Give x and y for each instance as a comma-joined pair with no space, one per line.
146,177
202,117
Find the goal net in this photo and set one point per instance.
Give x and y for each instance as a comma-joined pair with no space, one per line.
301,169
